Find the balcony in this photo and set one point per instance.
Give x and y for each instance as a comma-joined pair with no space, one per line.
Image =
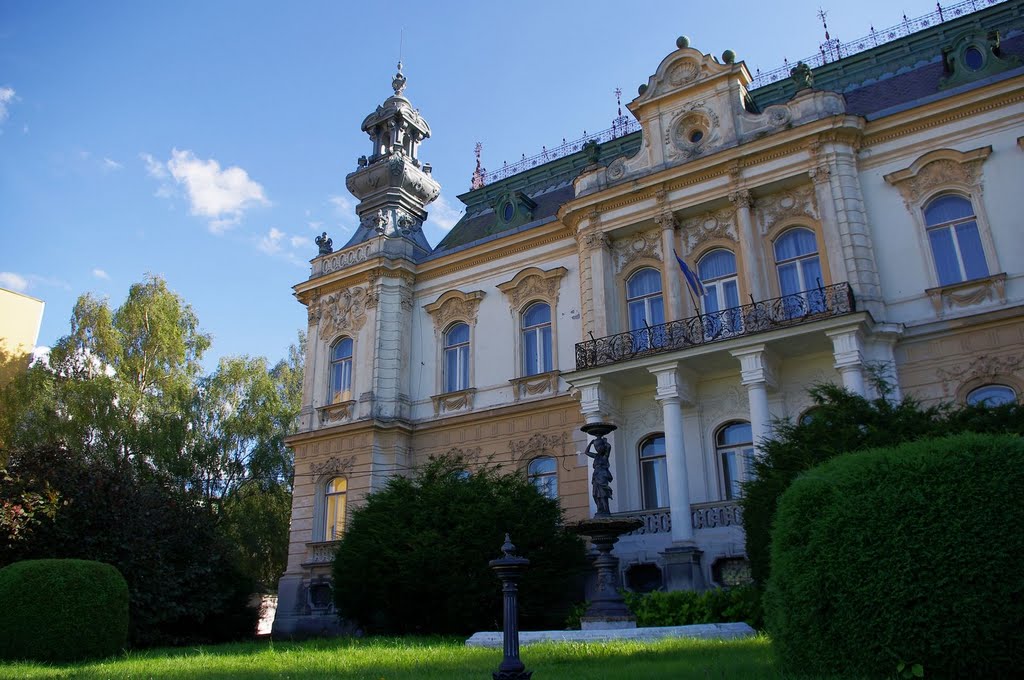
702,516
768,315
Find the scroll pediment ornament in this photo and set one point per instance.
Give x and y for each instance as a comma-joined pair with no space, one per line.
342,311
787,205
455,305
334,465
717,224
532,283
645,244
940,169
551,444
986,367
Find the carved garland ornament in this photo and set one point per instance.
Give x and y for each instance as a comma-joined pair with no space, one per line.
939,169
641,245
341,311
710,225
989,368
334,466
455,306
533,283
538,443
781,207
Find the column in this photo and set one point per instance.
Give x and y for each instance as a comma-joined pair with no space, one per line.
757,374
673,390
847,346
673,277
749,245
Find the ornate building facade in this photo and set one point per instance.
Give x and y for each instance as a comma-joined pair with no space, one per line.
856,218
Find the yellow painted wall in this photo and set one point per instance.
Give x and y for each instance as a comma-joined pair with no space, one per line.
20,317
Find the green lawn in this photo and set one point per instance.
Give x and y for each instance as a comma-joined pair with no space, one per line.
425,658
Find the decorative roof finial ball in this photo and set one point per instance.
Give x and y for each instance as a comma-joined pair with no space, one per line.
728,57
682,42
643,88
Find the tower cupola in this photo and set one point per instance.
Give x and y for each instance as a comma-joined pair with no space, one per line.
393,186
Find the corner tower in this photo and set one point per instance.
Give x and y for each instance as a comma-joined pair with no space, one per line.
392,184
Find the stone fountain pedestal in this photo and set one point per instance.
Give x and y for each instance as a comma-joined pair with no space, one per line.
607,608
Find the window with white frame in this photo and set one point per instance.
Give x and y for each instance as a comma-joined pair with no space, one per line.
717,272
335,497
653,473
644,305
543,474
955,241
536,328
992,395
340,383
799,270
456,358
734,446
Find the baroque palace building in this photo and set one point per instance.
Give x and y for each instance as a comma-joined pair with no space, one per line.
853,219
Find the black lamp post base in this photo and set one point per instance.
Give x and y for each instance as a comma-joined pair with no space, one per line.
512,675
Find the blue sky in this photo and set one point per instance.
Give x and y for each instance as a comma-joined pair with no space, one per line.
208,142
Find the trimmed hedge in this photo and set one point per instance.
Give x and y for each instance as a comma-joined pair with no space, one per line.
904,555
62,610
687,607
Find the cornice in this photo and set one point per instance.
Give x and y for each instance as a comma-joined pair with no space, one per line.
491,251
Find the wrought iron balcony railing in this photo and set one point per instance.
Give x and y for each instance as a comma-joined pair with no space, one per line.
767,315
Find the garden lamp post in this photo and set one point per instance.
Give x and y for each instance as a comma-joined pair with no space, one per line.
509,569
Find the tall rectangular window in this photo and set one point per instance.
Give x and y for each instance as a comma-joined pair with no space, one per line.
955,241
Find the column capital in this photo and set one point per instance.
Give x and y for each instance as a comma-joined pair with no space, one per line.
757,365
847,346
820,174
596,403
667,220
741,198
675,383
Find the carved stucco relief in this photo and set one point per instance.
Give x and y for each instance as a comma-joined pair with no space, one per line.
710,225
944,172
338,312
550,444
985,368
335,465
641,245
533,283
787,205
455,306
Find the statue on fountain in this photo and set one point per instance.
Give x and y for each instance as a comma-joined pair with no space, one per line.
599,449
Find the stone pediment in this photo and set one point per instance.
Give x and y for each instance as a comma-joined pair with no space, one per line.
681,70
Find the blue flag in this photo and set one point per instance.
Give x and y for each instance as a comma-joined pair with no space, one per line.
692,279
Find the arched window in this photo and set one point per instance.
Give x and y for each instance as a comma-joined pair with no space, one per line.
543,474
992,395
340,388
956,243
800,279
537,339
334,508
653,473
734,446
456,358
808,416
643,299
717,271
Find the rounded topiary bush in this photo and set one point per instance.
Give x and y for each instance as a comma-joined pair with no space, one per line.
62,610
904,555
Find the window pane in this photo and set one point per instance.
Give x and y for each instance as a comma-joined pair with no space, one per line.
946,264
731,293
992,395
735,433
334,524
789,279
451,370
342,349
545,344
644,282
653,447
463,367
531,352
456,335
970,249
711,298
637,315
716,264
794,243
656,311
536,315
811,269
654,481
731,474
947,209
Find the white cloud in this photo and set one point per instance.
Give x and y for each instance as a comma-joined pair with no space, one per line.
7,97
342,204
443,215
110,164
13,281
222,195
299,241
100,274
271,242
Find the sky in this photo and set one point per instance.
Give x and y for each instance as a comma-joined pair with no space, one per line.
208,141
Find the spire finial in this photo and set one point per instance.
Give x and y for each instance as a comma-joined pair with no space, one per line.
618,98
398,83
